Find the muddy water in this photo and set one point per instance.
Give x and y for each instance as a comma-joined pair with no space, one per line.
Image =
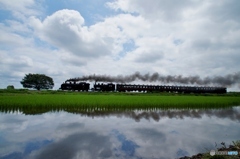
137,134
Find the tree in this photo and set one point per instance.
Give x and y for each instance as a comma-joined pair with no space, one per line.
37,81
10,87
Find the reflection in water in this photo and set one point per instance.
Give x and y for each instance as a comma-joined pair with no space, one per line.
127,146
231,113
114,134
137,115
82,145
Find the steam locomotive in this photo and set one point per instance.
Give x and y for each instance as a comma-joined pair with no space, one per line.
84,86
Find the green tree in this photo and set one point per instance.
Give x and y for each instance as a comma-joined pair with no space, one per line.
37,81
10,87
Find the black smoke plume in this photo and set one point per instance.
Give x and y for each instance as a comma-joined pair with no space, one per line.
226,80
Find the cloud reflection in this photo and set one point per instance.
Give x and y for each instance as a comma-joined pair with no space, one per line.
127,146
28,148
131,134
80,145
228,113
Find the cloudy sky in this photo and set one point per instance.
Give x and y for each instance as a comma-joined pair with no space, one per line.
71,38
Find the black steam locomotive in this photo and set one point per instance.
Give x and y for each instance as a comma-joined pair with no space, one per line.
83,86
75,86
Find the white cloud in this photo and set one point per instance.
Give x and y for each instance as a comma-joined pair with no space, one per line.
155,10
65,30
187,37
20,10
9,37
15,5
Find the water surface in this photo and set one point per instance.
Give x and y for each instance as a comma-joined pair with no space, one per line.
134,134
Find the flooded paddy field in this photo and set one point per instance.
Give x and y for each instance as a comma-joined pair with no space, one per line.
115,133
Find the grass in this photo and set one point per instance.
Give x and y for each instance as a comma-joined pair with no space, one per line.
25,99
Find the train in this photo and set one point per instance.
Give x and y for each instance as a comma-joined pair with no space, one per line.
111,87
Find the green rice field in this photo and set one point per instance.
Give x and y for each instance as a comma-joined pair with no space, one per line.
83,100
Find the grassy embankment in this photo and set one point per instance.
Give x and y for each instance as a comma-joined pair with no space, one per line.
26,99
235,146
